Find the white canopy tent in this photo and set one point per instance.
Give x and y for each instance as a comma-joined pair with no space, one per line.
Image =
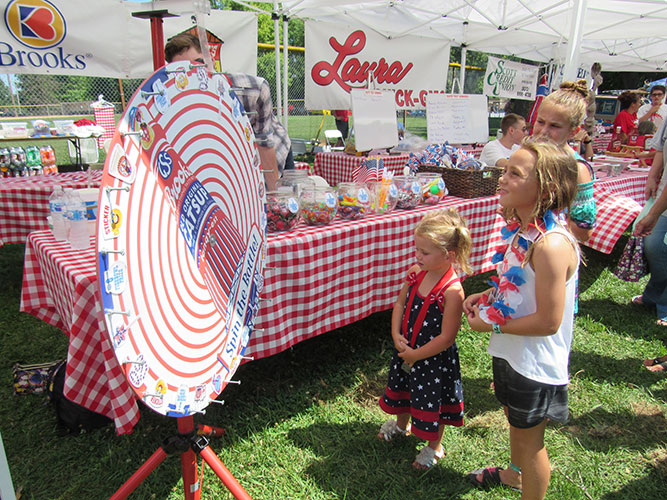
622,35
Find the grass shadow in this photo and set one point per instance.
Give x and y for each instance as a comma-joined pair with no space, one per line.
648,486
341,448
641,428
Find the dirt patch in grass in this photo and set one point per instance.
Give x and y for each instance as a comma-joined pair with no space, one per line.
370,389
490,419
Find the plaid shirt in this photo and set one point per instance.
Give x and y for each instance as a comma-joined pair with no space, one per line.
255,95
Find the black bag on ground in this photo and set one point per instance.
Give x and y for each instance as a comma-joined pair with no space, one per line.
72,418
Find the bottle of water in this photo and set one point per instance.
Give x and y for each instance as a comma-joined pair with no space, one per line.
78,235
57,209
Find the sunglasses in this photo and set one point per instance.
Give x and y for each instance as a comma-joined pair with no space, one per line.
657,94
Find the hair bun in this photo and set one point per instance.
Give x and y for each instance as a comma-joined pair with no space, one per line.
580,87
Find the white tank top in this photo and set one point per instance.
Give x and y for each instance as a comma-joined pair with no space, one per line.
541,358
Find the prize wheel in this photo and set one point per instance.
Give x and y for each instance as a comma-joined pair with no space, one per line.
181,238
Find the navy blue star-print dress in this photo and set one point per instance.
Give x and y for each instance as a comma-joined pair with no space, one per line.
432,392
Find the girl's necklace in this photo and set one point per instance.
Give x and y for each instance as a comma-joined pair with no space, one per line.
496,307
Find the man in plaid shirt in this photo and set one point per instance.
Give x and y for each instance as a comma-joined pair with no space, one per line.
273,143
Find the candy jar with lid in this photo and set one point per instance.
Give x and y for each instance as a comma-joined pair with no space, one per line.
432,187
384,196
409,191
294,179
318,205
354,200
282,211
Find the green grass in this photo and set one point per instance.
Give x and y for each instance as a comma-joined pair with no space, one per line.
302,424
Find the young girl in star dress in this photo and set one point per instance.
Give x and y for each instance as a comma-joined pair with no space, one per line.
530,309
424,376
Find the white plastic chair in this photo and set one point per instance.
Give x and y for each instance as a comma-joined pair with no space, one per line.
332,137
298,146
89,151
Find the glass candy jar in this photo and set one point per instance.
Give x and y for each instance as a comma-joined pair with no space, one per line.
282,211
409,191
318,205
354,200
295,180
384,196
432,187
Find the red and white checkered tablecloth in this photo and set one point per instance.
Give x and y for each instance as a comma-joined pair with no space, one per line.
24,201
60,288
317,279
338,167
601,142
323,278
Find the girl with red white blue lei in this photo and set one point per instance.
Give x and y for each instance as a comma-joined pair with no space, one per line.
530,309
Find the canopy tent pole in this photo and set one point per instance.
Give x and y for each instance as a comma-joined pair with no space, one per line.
276,42
462,74
285,63
574,40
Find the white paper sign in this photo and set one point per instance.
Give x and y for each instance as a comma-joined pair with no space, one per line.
457,118
340,58
374,114
511,79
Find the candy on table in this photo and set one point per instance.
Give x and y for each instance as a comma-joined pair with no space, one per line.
409,191
282,211
353,200
432,187
318,206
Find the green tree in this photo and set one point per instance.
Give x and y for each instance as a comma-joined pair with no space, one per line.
5,97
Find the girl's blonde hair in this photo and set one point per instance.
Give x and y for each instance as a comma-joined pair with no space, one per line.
556,172
448,231
571,96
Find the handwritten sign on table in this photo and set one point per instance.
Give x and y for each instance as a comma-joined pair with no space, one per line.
457,118
374,114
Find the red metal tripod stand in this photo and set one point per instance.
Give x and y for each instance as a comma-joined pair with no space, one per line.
188,443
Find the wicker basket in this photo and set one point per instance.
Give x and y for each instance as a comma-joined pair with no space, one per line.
468,183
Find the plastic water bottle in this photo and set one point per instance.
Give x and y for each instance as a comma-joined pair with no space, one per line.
57,209
78,235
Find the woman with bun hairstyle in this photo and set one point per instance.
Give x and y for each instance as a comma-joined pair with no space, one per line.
559,118
627,116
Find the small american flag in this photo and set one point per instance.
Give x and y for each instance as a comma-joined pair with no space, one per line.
542,92
369,170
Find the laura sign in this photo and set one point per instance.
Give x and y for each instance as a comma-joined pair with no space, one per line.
340,58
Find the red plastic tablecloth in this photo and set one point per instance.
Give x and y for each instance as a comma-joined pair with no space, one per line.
338,167
24,201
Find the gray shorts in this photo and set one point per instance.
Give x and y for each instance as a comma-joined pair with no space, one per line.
528,402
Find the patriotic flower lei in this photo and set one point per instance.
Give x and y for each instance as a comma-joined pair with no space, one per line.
499,305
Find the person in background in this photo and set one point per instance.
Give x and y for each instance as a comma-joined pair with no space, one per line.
342,117
514,129
627,116
273,143
559,118
656,110
530,310
646,130
653,227
424,375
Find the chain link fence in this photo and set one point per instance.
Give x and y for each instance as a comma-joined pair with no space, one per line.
28,97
